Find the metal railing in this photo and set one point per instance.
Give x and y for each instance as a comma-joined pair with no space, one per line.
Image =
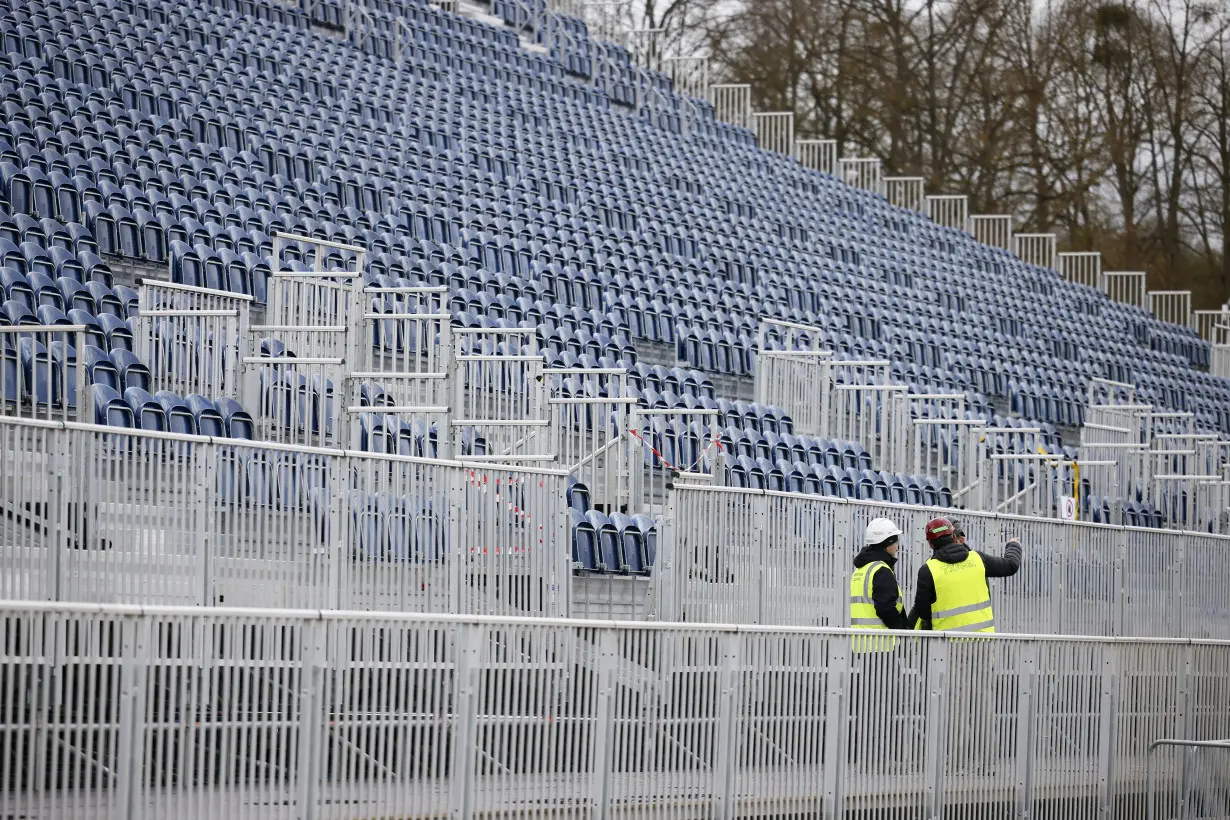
193,339
1174,306
905,192
1129,287
861,172
110,515
131,712
1037,249
1083,268
949,210
992,229
43,371
818,155
1199,790
747,556
774,131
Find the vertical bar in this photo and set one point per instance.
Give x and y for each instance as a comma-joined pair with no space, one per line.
130,743
836,726
1027,678
727,750
938,698
1107,725
466,702
604,725
310,754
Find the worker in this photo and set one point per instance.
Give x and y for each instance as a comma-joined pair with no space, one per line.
952,592
875,595
876,686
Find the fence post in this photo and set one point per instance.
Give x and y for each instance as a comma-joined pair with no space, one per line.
207,487
456,557
937,725
604,724
1176,605
337,556
1025,733
311,708
1119,583
664,573
1182,715
760,514
57,511
465,723
1107,730
130,746
836,726
726,756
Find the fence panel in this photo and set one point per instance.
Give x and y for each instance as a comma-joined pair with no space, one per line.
160,518
43,371
992,229
119,712
743,556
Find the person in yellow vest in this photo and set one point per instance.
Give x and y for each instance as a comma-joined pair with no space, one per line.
875,595
952,592
875,604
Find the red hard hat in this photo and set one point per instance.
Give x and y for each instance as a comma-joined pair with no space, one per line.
937,528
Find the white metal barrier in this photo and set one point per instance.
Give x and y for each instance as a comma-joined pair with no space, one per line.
404,362
689,75
590,433
949,210
1174,306
748,556
127,713
774,131
818,155
43,371
1200,788
732,103
992,229
500,399
861,172
1203,321
1128,287
1037,249
1083,268
109,515
193,339
905,192
1219,354
669,445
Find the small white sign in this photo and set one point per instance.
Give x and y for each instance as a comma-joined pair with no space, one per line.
1067,508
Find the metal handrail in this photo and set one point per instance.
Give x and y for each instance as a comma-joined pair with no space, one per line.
1191,744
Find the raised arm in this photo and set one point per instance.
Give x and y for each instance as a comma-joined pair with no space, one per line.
1008,565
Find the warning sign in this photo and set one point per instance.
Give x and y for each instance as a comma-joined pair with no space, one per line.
1067,508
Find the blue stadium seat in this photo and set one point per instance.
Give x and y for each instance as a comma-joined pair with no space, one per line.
147,411
235,419
208,421
110,407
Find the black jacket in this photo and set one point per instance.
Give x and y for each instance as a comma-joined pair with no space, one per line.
883,587
955,553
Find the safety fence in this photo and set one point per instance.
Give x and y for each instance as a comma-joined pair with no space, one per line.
729,555
100,514
126,712
1201,786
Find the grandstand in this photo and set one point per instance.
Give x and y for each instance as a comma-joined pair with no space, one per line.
442,318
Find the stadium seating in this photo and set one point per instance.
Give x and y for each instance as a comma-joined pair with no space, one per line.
137,132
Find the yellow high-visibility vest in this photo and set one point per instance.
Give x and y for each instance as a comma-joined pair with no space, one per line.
863,609
962,598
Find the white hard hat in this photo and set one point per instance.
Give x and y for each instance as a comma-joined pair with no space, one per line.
880,530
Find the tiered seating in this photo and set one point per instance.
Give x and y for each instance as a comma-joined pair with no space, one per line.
609,545
135,129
